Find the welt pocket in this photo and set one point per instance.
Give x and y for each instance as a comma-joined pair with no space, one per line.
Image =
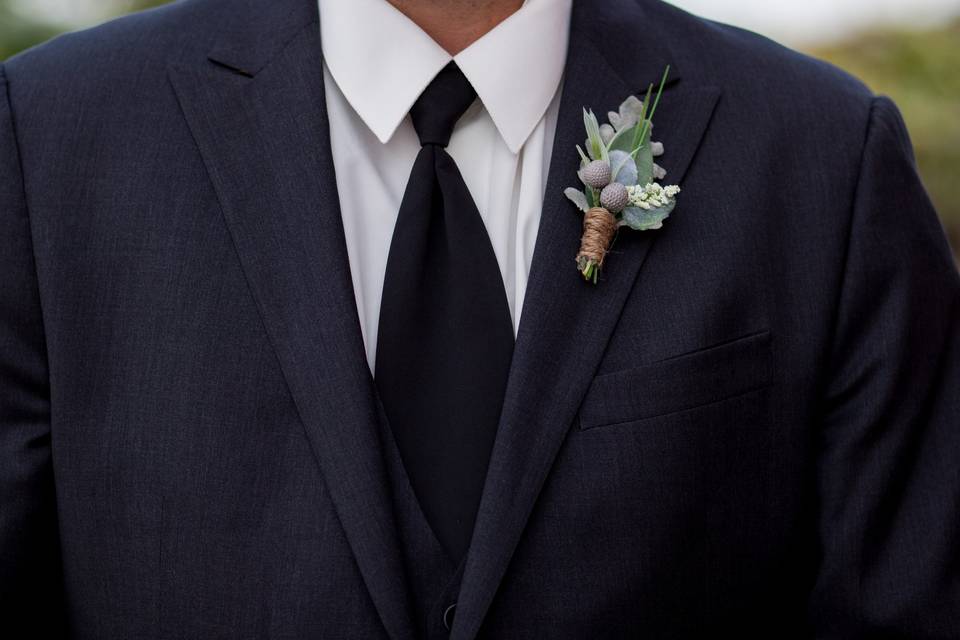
679,383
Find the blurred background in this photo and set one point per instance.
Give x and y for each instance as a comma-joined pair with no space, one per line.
907,49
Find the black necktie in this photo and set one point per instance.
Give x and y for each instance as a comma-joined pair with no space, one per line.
445,337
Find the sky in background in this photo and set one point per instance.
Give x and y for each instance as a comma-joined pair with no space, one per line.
796,22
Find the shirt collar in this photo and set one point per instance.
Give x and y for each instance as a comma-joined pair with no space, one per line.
382,61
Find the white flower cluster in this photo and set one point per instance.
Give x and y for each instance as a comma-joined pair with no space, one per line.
651,196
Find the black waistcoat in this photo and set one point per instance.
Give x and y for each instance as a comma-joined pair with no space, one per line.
433,577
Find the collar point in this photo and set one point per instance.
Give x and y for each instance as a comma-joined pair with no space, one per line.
514,147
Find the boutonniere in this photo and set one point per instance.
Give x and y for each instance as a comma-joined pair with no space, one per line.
619,177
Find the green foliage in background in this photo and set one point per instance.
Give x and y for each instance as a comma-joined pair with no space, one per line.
919,70
18,33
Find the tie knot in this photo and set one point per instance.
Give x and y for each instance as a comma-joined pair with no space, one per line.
441,104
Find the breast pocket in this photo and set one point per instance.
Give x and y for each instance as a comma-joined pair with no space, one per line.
680,383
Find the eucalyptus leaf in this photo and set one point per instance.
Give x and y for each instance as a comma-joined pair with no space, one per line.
644,160
645,219
623,140
578,198
642,133
624,168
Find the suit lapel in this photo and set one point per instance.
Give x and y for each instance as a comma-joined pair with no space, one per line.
566,323
257,111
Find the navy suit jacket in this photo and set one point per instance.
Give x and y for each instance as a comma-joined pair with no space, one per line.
750,426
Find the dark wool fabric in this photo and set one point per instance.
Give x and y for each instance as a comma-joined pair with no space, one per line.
750,427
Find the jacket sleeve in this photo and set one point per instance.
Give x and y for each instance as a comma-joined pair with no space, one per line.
30,583
889,445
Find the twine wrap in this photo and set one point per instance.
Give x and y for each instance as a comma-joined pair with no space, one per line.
599,226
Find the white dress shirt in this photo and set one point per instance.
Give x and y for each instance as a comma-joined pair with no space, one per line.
377,62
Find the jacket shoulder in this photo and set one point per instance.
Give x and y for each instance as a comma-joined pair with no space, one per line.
740,61
773,99
122,48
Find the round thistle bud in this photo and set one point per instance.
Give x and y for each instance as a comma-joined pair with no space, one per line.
614,197
597,174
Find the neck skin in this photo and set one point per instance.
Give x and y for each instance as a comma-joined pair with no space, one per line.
456,24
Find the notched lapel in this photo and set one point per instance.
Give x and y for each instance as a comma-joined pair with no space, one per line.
566,323
261,126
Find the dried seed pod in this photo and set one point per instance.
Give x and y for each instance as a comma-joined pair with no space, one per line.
614,197
597,174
